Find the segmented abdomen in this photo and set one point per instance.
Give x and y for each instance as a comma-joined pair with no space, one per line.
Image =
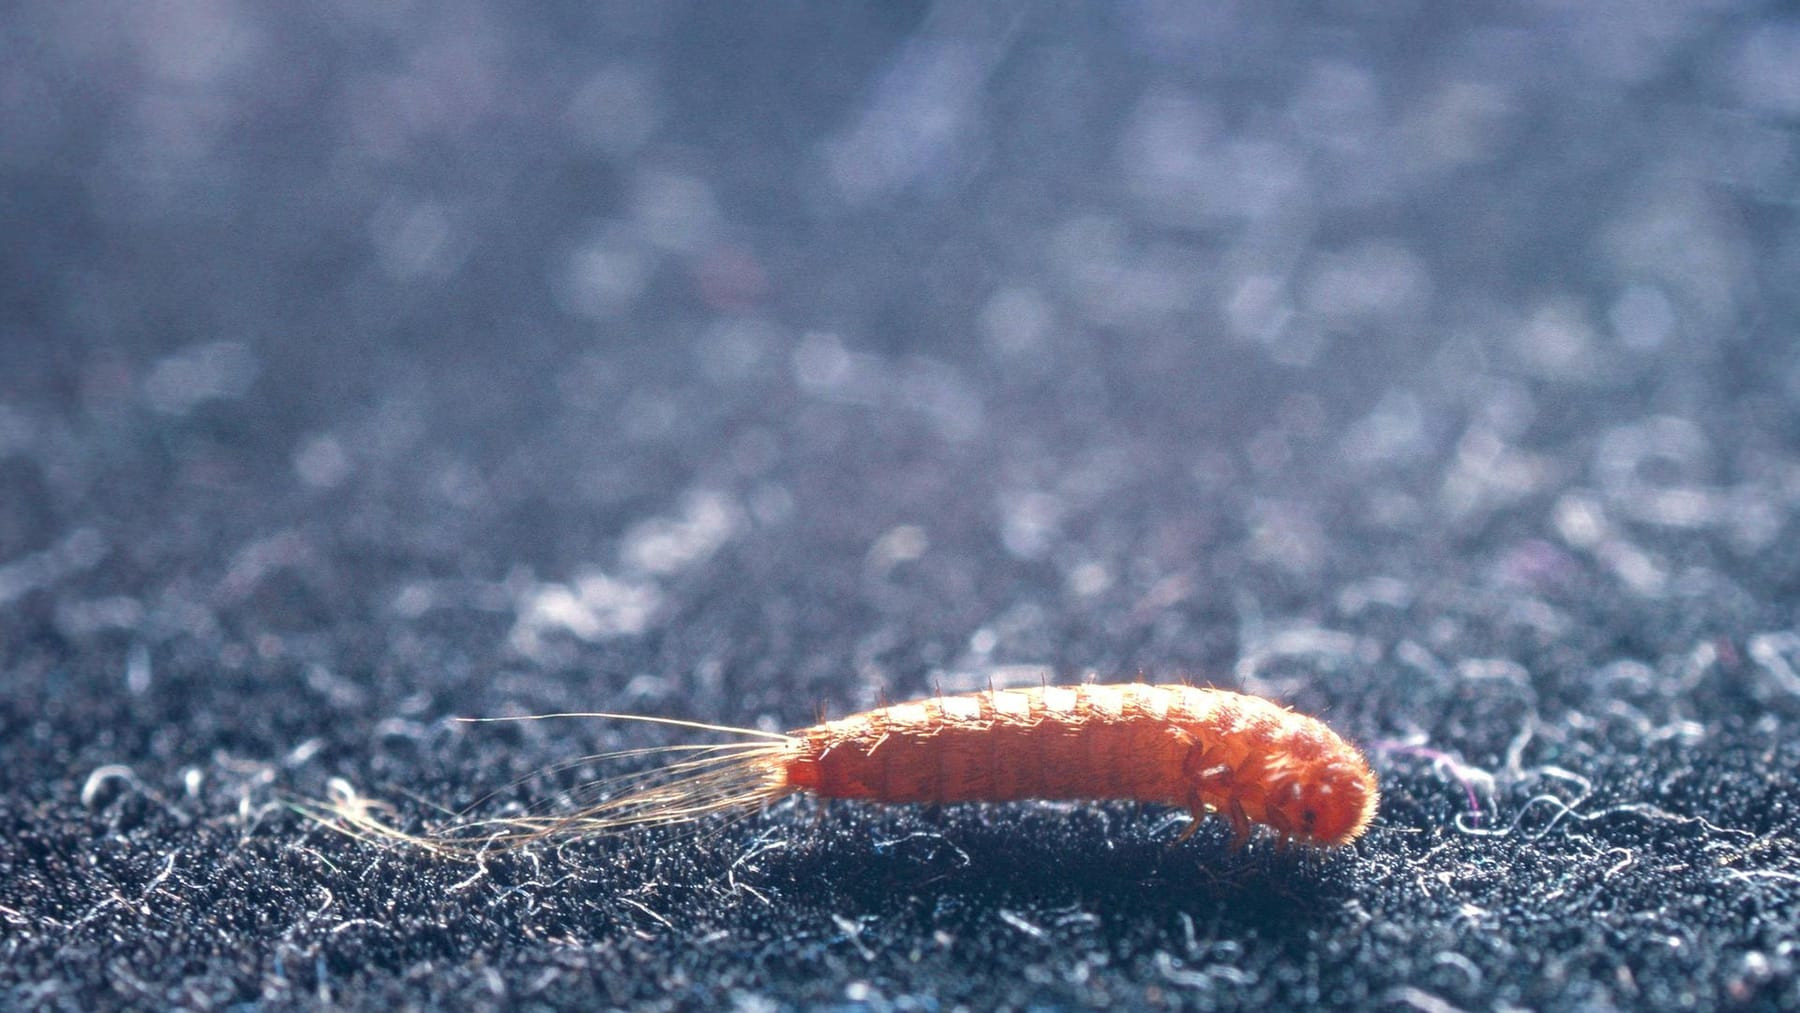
1054,742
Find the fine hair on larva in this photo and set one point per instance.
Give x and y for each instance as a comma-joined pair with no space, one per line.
1248,760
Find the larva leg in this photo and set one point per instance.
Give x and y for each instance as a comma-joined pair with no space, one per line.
1205,771
1196,816
1240,825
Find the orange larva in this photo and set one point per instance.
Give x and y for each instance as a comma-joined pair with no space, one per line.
1205,750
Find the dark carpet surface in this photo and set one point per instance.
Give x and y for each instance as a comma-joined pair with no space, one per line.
1429,368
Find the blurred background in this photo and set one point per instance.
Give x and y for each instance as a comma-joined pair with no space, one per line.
1429,368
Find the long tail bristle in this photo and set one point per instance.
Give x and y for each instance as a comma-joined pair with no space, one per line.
719,778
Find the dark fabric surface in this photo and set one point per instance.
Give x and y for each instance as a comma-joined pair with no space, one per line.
1430,368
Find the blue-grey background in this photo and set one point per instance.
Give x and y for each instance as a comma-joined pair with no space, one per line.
1429,367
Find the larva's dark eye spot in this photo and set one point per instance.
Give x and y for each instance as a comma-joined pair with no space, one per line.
1308,818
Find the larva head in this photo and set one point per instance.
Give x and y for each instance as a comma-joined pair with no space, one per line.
1320,792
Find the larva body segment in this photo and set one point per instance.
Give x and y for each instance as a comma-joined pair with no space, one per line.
1206,750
